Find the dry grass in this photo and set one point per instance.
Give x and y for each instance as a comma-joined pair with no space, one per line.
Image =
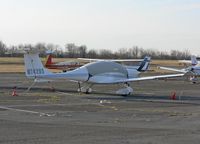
11,60
11,68
173,63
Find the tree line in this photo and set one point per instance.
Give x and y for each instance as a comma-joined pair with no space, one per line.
73,51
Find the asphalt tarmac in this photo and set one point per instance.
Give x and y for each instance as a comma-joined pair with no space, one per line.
62,115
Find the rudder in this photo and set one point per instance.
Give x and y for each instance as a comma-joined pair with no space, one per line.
144,64
49,60
34,66
194,60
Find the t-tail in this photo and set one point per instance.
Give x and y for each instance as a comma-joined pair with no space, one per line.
34,66
144,64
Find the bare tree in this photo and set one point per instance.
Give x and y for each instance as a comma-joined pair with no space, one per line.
71,50
104,53
123,53
53,48
41,47
2,48
92,54
135,51
82,51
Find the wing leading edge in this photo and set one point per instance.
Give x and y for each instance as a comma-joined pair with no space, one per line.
149,78
114,60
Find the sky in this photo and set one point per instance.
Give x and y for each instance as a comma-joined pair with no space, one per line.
103,24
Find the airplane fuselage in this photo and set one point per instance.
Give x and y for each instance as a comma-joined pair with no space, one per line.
101,72
196,70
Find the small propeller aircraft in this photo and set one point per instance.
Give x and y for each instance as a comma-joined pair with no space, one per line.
99,72
64,66
193,71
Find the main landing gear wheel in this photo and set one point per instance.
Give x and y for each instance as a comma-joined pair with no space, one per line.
126,91
85,89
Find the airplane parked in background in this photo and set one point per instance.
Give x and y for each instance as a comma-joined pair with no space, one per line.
193,71
64,66
193,61
99,72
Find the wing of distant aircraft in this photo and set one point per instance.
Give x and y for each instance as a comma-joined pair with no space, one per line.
99,72
174,69
114,60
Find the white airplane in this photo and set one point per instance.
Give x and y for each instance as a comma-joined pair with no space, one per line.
114,60
100,72
193,61
193,71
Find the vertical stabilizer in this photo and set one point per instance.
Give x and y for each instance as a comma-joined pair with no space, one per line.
144,64
194,60
34,66
49,60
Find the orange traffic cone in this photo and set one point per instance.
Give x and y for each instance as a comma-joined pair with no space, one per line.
173,96
14,93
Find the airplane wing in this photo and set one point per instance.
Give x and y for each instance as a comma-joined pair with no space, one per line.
149,78
115,81
114,60
184,61
174,69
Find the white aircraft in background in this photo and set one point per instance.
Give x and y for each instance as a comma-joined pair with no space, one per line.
193,71
114,60
193,61
99,72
